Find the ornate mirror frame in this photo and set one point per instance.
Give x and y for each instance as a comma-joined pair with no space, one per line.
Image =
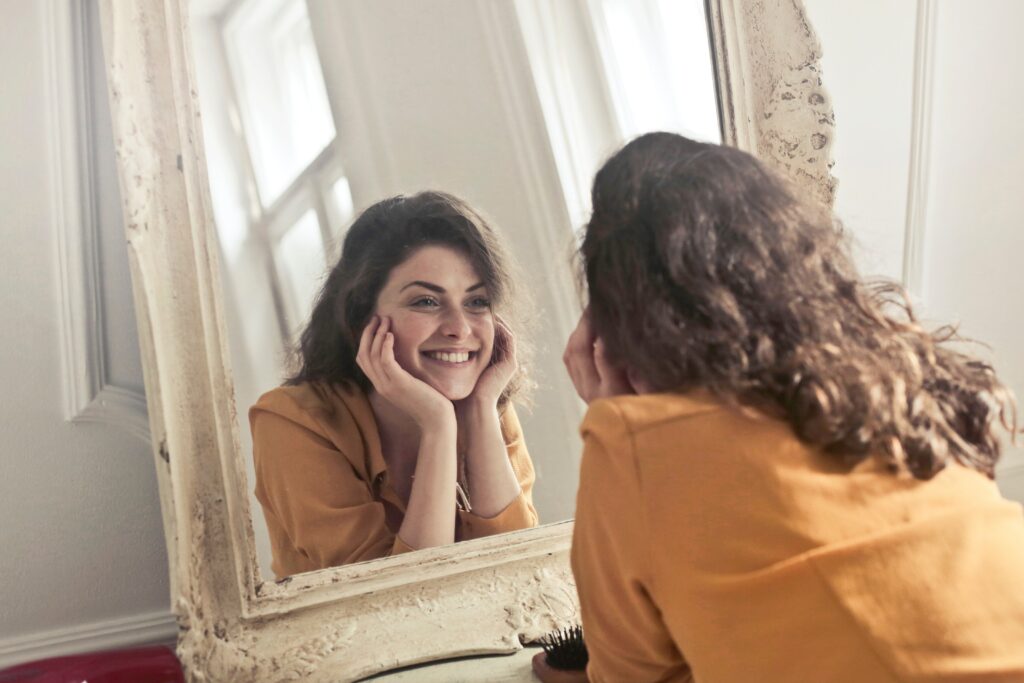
483,596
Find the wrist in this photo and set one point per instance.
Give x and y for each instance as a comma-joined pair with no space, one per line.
437,417
475,406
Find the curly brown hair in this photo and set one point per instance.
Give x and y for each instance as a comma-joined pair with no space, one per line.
706,270
382,237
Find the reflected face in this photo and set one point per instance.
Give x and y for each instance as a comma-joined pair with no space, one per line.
440,313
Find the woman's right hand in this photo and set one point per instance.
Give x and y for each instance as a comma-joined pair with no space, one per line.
591,371
376,357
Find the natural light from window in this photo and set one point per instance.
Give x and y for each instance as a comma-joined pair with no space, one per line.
659,67
281,92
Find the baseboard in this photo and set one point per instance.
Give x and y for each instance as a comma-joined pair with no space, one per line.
154,628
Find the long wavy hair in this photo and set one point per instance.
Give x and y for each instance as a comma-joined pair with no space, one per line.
706,270
382,237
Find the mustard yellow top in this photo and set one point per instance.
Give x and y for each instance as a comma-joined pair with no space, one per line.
323,483
715,545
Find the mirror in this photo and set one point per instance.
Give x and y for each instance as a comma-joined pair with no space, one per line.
313,111
488,595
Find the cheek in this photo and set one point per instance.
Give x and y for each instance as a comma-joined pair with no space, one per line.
410,333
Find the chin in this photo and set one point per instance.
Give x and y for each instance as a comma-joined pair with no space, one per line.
454,393
453,384
453,389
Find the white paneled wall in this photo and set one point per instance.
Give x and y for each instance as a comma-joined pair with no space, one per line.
871,83
974,244
927,96
83,559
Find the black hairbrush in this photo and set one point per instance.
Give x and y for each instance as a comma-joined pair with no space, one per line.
564,658
565,649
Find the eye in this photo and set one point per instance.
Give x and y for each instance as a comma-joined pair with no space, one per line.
479,303
425,302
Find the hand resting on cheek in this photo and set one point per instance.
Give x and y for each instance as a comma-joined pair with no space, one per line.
376,357
593,374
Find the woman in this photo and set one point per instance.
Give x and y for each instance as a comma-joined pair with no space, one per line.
785,478
397,432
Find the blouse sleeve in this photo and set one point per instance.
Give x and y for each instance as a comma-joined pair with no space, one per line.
320,513
520,513
625,636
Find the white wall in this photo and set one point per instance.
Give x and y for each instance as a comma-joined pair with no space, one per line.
871,84
83,558
974,242
971,151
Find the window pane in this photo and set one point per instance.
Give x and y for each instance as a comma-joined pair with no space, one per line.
658,60
300,265
281,91
341,197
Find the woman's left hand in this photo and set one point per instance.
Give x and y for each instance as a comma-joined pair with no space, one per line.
499,372
592,373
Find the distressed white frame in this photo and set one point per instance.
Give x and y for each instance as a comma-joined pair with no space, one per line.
483,596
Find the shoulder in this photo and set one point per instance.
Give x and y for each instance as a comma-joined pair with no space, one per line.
714,440
314,417
623,416
313,405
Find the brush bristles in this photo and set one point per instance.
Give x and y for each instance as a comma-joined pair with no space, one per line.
565,649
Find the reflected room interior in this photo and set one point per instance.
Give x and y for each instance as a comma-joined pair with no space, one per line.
312,111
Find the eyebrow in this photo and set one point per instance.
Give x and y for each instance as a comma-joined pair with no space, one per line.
437,288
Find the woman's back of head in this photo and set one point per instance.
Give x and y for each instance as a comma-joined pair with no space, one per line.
706,269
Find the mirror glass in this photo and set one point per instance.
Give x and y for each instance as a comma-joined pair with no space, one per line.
314,110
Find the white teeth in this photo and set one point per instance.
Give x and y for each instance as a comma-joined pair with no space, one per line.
450,357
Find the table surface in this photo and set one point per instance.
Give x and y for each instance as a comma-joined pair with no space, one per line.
513,668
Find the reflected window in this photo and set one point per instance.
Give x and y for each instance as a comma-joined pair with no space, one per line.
280,191
609,70
301,263
280,88
341,201
658,64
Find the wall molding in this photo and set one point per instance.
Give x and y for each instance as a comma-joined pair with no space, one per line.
920,146
88,396
149,628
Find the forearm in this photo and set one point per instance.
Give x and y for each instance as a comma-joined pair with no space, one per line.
430,515
492,481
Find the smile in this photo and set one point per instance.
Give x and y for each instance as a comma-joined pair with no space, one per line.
453,358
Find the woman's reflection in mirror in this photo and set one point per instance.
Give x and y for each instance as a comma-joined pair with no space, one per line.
397,430
785,476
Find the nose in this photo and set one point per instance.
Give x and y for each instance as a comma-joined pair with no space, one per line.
455,324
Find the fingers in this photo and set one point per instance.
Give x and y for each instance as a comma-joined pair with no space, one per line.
591,369
370,357
601,363
382,351
613,380
378,339
504,344
582,338
579,360
363,359
387,356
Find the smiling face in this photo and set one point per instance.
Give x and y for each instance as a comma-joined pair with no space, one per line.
441,317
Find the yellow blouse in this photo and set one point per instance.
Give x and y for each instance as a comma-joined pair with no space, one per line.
712,545
323,483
